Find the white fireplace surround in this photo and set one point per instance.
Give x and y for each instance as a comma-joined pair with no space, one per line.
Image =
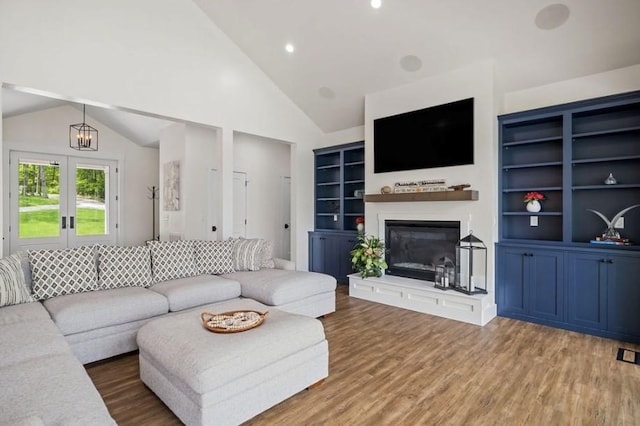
422,296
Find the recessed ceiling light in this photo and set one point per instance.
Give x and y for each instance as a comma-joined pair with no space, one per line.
289,48
411,63
376,4
552,16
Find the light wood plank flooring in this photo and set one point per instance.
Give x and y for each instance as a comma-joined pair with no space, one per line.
393,366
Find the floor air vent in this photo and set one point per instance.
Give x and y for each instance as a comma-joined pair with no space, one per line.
627,355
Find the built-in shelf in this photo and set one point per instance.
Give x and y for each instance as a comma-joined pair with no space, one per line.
423,196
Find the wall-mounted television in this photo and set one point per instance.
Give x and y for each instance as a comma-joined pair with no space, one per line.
438,136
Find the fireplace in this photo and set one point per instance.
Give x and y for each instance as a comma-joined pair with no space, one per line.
415,247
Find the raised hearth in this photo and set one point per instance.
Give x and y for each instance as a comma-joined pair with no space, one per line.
422,296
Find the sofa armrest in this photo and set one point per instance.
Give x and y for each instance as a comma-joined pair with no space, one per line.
285,264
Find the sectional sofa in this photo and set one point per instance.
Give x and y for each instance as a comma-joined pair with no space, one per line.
64,308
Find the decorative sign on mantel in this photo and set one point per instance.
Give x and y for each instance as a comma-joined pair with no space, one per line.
433,185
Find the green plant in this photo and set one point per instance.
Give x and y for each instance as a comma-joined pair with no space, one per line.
367,256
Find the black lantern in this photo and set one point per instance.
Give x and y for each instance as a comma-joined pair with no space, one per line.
82,136
471,265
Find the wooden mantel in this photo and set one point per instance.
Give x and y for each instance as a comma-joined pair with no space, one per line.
423,196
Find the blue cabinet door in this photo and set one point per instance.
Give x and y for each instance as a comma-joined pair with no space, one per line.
347,243
623,295
317,258
587,290
545,283
512,272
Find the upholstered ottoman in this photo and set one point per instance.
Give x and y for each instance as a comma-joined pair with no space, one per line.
226,379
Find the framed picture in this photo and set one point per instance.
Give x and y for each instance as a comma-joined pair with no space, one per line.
171,182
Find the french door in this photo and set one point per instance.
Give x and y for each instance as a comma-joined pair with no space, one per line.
59,201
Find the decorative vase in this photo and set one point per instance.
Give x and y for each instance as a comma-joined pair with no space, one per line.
534,206
373,273
360,227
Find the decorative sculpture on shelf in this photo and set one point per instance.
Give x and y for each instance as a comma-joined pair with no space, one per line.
610,180
610,233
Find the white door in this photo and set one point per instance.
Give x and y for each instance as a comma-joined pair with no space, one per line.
239,204
213,204
285,229
58,201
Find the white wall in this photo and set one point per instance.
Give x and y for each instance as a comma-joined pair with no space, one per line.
48,131
603,84
353,134
475,81
163,57
265,161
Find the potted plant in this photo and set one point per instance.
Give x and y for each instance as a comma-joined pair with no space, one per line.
367,256
532,200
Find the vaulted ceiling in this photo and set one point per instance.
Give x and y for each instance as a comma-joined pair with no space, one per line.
345,49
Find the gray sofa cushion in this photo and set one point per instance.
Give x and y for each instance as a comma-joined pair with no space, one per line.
75,313
56,389
190,292
276,286
25,312
29,340
23,421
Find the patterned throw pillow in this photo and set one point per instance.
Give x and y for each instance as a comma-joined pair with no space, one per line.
66,271
13,288
214,257
171,260
124,267
266,255
247,254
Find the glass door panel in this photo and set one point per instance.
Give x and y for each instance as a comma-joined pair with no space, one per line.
37,206
38,198
92,209
59,201
91,188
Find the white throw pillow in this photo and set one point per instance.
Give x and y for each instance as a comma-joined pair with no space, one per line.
13,288
66,271
124,267
247,254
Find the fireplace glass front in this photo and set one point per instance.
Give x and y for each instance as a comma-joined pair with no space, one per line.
416,247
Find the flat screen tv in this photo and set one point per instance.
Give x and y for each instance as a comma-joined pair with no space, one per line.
438,136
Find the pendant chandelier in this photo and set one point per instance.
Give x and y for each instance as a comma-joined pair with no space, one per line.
82,136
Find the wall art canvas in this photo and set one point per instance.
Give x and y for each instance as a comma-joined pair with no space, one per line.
171,186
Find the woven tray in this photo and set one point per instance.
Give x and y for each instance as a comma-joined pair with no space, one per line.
232,322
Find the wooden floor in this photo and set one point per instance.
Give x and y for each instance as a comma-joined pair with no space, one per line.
393,366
